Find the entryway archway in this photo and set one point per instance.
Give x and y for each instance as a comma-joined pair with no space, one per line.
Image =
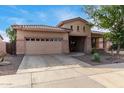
76,43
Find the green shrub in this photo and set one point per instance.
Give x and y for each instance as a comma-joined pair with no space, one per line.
93,51
96,57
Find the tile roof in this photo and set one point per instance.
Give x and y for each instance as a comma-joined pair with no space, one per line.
40,28
71,20
97,32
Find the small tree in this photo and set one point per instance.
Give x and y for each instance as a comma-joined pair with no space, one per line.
11,33
111,18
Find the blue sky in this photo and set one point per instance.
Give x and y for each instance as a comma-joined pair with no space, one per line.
47,15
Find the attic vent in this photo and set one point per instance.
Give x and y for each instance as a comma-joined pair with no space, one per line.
71,27
77,28
84,28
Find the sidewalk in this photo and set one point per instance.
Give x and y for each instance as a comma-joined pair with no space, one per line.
64,78
76,77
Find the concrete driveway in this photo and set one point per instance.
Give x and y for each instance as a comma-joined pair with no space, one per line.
48,62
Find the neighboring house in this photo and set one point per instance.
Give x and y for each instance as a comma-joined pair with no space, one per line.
73,35
2,45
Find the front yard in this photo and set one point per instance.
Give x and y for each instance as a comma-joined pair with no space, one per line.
41,61
62,71
105,58
13,66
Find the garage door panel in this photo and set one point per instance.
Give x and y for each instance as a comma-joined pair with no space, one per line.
43,47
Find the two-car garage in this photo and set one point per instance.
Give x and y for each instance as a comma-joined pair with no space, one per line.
41,39
43,45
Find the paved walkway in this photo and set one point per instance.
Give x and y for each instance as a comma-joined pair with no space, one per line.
63,71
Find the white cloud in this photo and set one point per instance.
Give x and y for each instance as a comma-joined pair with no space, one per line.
29,15
4,35
19,10
99,29
66,13
95,28
17,20
41,15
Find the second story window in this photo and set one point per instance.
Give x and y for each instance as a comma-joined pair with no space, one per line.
77,28
84,28
71,27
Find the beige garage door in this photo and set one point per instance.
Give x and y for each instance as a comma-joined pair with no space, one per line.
43,45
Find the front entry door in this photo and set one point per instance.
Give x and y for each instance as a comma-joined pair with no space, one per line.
76,43
73,45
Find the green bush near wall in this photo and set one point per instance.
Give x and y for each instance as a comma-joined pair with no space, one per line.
93,51
96,57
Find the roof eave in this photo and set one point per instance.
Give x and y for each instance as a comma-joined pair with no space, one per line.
47,28
69,20
40,29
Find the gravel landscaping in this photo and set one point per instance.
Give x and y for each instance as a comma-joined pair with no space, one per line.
12,66
105,59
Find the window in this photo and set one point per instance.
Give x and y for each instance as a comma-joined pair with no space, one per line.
51,39
55,39
32,39
60,39
84,28
47,39
42,39
71,27
27,39
77,28
37,39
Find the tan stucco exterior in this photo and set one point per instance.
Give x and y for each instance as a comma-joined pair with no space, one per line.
2,46
0,40
81,32
47,47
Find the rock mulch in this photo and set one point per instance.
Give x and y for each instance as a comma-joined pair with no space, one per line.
10,64
105,59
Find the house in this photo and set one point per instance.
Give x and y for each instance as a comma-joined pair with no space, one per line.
73,35
2,45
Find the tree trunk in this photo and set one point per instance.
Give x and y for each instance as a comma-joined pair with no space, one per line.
112,52
13,47
118,50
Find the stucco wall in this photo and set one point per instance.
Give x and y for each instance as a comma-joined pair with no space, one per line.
80,32
87,47
101,43
2,46
21,44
